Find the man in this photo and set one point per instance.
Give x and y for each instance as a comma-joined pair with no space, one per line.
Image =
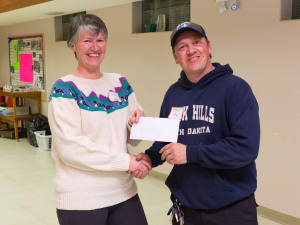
214,175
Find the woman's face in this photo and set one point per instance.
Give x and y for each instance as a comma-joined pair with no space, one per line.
90,51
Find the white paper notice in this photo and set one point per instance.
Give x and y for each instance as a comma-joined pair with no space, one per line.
155,129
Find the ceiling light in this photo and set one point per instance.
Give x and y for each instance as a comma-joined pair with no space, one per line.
222,7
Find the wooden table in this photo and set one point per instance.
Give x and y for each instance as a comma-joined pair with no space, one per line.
15,118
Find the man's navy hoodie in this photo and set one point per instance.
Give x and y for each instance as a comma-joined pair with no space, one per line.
220,127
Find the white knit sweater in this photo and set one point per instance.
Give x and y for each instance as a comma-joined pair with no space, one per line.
88,120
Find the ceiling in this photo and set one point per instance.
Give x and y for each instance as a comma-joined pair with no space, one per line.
48,8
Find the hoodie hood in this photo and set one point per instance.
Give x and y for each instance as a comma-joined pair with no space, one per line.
219,70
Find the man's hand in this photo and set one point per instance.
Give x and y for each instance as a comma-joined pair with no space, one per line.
136,116
174,153
139,168
145,157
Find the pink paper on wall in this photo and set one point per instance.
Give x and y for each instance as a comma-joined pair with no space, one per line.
26,72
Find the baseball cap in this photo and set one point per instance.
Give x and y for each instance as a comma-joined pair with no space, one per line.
184,27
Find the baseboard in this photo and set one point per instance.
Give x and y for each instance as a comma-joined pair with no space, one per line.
278,217
270,214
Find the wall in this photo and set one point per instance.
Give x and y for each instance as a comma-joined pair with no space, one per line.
265,52
260,48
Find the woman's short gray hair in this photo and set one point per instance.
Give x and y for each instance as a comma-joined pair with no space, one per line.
83,22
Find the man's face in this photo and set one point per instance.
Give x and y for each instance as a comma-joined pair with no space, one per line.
192,52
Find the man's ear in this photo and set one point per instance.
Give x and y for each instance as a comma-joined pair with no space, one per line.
209,48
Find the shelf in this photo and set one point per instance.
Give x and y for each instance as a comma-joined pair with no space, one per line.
10,133
15,118
28,94
19,118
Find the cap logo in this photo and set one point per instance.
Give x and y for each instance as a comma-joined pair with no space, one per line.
182,25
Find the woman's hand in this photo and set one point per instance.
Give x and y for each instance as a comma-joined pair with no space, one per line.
139,169
136,116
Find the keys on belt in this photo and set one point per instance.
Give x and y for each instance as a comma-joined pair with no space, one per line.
177,212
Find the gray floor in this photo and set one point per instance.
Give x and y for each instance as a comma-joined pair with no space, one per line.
27,194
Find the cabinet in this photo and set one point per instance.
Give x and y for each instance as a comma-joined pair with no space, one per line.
15,118
146,14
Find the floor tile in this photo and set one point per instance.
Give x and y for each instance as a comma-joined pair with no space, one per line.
27,192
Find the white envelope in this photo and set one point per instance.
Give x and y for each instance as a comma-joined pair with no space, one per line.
155,129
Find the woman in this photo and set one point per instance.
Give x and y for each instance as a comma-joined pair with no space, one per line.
90,113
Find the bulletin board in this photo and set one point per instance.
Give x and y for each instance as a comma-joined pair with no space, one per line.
26,61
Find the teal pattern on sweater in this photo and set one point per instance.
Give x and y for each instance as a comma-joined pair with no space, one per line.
92,102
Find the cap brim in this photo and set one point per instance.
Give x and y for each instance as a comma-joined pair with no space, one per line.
181,31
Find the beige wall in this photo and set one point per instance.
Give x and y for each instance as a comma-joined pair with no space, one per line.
259,47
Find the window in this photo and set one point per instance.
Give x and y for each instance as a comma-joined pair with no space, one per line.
296,9
159,15
62,24
290,9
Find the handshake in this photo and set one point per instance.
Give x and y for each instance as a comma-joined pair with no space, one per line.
173,153
140,165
